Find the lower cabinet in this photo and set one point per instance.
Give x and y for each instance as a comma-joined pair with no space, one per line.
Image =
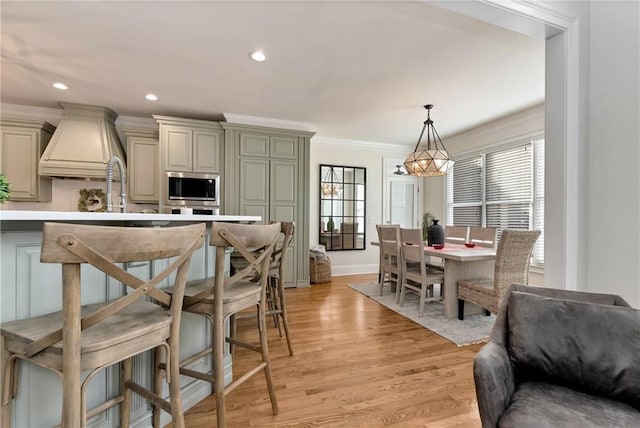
31,288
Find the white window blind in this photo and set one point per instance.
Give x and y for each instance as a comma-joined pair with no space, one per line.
501,188
509,188
466,197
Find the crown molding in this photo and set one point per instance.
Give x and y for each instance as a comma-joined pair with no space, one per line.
132,123
18,111
320,140
54,116
268,122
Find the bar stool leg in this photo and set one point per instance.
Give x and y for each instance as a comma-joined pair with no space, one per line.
125,406
264,348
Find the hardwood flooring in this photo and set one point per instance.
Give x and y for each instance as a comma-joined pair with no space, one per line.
356,364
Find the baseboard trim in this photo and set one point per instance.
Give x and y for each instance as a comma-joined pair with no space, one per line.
353,269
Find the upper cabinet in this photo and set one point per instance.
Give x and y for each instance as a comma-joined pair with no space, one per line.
143,166
189,145
23,142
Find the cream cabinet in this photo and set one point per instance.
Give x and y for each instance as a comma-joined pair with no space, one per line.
143,166
23,142
268,175
189,145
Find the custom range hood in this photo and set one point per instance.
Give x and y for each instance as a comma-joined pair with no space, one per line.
83,143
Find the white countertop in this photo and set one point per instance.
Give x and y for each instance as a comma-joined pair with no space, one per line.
93,216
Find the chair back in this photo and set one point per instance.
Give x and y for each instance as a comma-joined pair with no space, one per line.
279,256
104,247
512,258
455,234
483,236
255,242
412,246
389,238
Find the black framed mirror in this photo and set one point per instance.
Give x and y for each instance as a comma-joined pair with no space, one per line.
343,191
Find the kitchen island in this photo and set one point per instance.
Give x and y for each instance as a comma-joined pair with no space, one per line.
29,288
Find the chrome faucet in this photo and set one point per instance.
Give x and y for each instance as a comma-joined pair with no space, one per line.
115,160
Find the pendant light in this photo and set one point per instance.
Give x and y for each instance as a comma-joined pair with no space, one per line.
432,160
331,184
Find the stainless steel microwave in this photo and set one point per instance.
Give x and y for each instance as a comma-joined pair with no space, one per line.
188,189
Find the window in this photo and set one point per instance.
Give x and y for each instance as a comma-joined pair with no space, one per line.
501,188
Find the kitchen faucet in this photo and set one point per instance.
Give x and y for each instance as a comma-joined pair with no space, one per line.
115,160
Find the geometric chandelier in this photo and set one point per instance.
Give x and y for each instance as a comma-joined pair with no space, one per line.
432,160
331,184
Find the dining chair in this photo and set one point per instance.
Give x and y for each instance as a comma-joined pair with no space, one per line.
349,237
389,267
483,236
218,298
455,234
416,275
511,267
92,337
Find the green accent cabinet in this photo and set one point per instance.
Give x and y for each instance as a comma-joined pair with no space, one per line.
267,174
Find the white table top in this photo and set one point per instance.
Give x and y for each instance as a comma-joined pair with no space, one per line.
461,253
458,252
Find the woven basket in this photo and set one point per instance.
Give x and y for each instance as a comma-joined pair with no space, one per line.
319,270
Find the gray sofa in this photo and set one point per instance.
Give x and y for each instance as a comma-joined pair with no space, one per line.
559,358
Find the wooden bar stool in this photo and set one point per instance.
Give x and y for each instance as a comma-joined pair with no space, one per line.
95,336
221,297
276,297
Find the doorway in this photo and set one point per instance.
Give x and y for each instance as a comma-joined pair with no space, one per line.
402,199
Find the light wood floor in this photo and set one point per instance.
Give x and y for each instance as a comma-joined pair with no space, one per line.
356,364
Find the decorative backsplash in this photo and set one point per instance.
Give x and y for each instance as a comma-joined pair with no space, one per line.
67,195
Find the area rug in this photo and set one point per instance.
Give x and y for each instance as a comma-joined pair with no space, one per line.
474,328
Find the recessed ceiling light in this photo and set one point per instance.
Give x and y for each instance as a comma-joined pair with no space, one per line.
61,86
151,97
257,56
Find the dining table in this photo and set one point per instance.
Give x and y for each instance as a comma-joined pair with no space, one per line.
461,262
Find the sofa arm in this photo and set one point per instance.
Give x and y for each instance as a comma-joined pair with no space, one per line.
495,382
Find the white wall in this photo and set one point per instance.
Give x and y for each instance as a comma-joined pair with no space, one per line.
609,149
361,154
613,170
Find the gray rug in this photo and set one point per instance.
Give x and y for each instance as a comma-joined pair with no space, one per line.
474,328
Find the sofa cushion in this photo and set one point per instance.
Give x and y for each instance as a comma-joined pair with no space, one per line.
586,346
540,405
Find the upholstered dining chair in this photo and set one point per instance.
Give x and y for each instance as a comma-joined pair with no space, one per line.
415,274
511,267
219,298
92,337
389,267
483,236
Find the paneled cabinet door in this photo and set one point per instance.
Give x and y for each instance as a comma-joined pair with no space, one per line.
178,148
268,188
143,168
21,147
191,150
206,149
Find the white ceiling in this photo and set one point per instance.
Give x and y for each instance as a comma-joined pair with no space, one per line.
353,70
